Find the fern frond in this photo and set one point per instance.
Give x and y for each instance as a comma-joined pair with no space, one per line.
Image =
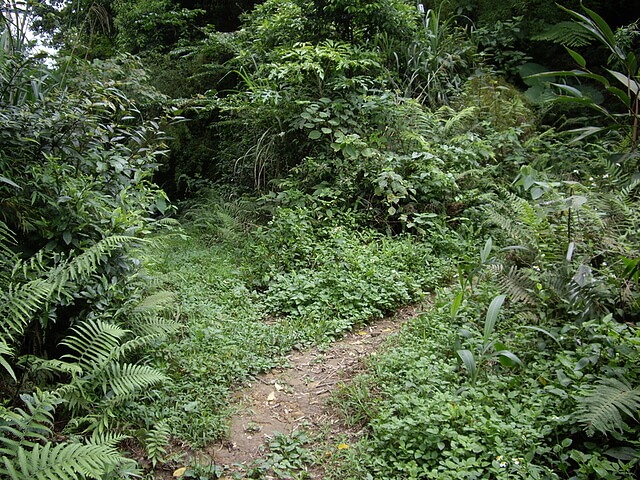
604,406
94,343
63,461
39,366
156,440
110,439
156,301
6,350
516,283
18,304
128,378
584,294
517,232
20,427
154,325
83,265
571,34
7,238
460,119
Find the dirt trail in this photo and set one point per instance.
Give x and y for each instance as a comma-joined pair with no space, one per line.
284,400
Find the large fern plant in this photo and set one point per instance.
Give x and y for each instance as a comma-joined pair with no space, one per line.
27,451
607,405
103,380
28,286
97,372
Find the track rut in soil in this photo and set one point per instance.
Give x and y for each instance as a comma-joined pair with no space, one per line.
285,400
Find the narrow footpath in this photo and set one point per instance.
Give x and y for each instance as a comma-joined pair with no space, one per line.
283,401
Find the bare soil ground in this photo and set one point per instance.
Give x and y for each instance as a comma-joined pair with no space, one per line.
284,400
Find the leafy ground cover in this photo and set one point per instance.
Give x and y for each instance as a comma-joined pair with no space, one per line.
236,329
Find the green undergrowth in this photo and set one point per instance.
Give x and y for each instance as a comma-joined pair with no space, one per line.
425,419
248,297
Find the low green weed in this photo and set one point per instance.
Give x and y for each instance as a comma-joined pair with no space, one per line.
427,422
249,298
328,274
288,457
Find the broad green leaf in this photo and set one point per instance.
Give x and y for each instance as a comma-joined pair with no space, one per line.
623,453
621,95
350,151
8,182
508,359
603,27
606,37
569,90
536,193
543,331
492,316
6,350
586,132
528,72
469,362
457,302
314,134
579,59
486,251
576,201
629,82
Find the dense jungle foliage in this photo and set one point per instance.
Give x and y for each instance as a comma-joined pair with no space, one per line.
191,190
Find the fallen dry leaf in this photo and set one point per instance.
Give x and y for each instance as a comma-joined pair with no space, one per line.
271,397
179,472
